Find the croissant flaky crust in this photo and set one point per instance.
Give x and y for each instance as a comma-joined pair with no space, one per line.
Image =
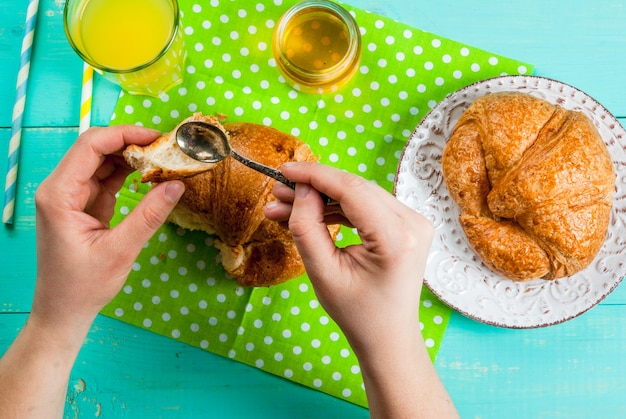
534,183
227,199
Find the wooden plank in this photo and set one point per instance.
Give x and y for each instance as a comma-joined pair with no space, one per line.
53,96
572,370
42,148
123,371
11,33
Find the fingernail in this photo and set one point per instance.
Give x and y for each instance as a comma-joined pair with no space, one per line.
174,190
271,204
287,165
302,190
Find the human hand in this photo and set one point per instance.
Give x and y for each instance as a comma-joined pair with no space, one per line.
82,263
371,290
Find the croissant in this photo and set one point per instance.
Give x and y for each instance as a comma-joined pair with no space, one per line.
534,183
227,199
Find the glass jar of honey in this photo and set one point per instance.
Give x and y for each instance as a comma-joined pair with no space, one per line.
317,46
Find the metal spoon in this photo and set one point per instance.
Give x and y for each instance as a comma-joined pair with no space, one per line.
207,143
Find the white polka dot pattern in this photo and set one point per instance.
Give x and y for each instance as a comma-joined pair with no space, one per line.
177,288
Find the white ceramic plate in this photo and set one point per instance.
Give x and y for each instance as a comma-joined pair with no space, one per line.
454,273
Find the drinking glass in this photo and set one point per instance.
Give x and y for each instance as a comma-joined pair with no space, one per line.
137,44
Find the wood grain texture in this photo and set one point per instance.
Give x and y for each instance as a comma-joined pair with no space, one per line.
41,150
123,371
572,370
53,93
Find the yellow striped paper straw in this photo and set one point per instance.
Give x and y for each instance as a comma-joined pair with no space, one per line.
10,185
85,98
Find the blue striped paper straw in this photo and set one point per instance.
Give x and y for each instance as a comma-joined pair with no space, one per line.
85,99
10,185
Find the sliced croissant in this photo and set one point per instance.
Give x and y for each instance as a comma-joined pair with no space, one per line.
227,199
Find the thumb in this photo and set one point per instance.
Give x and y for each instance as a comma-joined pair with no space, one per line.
150,214
309,231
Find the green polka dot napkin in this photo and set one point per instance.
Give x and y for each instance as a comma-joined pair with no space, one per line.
177,287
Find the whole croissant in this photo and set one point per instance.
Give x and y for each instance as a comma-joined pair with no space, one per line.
534,183
227,198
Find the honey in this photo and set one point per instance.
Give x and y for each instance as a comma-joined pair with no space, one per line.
317,46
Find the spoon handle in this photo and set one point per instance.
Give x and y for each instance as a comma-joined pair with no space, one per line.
261,168
273,173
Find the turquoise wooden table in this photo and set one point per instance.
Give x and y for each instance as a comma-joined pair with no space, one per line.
573,370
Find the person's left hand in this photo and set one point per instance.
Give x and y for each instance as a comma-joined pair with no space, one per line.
82,262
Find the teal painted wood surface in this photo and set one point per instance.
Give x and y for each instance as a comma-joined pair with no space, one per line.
573,370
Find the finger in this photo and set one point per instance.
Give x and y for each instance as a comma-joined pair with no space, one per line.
70,181
363,203
283,192
277,211
110,165
150,214
337,184
106,168
281,211
109,140
101,204
309,230
109,177
83,159
353,192
116,180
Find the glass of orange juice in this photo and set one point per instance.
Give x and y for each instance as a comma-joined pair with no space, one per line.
136,44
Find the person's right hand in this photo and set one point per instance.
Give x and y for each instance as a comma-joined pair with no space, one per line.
372,290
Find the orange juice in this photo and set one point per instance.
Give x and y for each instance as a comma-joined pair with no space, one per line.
124,34
134,43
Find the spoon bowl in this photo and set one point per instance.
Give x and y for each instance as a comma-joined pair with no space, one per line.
203,142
